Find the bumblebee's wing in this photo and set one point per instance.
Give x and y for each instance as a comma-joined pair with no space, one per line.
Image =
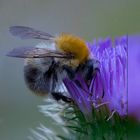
32,52
28,33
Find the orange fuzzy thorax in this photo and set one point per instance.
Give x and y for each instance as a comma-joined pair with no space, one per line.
72,44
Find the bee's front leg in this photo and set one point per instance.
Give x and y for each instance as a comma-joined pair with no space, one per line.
59,96
69,70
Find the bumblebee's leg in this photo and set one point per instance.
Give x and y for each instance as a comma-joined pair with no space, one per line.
90,69
70,71
59,96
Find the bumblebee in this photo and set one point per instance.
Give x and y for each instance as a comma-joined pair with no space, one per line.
48,64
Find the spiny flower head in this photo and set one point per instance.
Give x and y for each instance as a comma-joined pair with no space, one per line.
109,85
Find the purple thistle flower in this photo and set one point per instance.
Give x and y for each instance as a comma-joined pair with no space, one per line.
113,73
110,83
80,96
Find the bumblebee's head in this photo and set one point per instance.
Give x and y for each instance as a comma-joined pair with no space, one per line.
73,45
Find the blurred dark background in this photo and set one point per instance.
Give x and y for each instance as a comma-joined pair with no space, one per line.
87,18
